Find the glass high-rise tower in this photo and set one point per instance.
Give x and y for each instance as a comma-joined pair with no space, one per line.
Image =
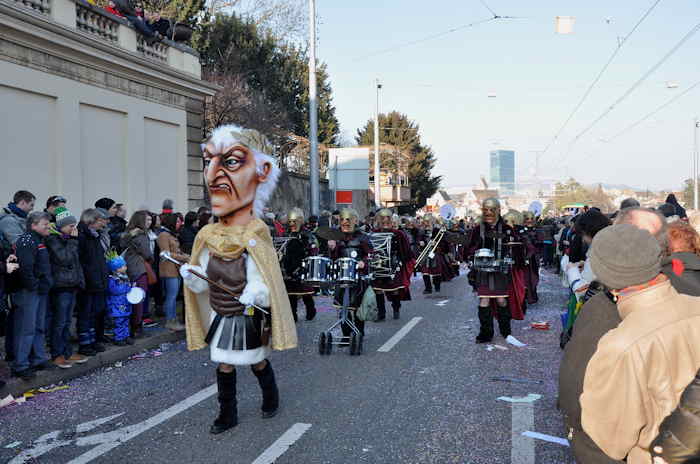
503,171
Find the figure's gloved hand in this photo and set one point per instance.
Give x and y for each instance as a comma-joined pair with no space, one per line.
255,293
191,281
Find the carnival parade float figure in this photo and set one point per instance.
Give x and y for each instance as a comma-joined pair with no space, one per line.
434,266
354,251
241,311
297,245
489,250
393,255
532,276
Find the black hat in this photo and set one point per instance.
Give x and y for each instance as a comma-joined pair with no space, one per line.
104,203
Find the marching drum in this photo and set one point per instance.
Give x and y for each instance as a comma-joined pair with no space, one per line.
317,271
136,295
484,260
346,273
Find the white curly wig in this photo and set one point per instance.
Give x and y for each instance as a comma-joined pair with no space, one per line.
227,135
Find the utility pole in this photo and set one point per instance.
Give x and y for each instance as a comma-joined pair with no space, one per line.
695,164
377,186
313,113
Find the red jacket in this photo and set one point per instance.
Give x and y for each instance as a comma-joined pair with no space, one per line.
114,11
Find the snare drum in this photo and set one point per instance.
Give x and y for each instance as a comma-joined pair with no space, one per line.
136,295
316,270
346,274
484,260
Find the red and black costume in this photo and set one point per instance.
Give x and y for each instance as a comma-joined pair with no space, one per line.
300,246
532,237
357,246
434,267
398,288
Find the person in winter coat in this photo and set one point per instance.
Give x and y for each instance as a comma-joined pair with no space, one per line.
588,225
31,300
678,441
118,305
169,273
188,232
138,255
13,217
680,211
682,265
68,279
91,311
639,369
156,290
8,265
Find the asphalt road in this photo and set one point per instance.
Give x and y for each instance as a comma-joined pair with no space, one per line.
430,399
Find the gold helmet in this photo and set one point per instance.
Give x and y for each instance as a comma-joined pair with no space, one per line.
296,214
349,213
513,217
384,212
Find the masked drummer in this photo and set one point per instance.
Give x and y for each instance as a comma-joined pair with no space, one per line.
355,245
434,267
395,289
494,234
301,245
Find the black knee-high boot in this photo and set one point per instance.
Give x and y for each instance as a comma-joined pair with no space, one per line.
486,325
381,306
228,406
270,394
437,280
504,317
428,284
396,304
294,302
310,307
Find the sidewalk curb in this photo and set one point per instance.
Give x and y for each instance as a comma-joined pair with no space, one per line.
16,387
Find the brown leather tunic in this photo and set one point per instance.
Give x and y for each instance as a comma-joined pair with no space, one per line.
232,275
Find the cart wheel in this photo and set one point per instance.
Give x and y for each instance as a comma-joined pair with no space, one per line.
329,343
353,344
322,344
358,349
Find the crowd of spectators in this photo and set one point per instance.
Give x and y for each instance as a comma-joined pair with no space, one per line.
150,24
64,279
629,379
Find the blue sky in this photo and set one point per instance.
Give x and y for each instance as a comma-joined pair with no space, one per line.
537,75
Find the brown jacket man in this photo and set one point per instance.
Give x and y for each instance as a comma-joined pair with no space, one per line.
637,374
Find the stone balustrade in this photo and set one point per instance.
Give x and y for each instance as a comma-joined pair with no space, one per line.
92,20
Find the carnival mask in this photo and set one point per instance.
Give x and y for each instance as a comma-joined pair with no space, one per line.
490,210
232,179
348,221
529,219
296,221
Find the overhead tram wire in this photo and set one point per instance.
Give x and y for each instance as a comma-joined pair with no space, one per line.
425,39
639,82
598,77
652,113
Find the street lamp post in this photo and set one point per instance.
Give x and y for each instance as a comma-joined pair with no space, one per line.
313,113
377,187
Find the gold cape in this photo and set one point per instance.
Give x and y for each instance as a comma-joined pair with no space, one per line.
230,242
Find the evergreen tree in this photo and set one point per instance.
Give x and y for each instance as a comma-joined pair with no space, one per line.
403,134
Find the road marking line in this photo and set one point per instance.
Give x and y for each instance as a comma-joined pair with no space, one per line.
545,437
399,335
531,398
522,420
441,303
111,440
87,426
283,443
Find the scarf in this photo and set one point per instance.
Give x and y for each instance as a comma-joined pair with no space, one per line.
16,211
230,242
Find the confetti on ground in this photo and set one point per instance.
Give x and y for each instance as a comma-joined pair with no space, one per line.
38,391
540,325
14,444
10,400
514,341
147,354
514,380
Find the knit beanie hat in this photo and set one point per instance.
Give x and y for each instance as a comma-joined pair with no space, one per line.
114,261
623,255
167,206
64,217
104,203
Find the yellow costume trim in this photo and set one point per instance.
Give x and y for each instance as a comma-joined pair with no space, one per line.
229,242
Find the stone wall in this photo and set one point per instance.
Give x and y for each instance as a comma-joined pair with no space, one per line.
294,190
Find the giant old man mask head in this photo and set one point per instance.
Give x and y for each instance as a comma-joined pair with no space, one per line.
240,174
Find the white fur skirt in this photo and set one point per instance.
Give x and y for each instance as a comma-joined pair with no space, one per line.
232,349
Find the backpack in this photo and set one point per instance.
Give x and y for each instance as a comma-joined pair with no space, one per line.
368,308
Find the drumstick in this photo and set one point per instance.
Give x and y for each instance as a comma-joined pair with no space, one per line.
166,255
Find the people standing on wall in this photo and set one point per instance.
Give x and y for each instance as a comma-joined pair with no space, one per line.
13,217
68,279
139,258
31,299
91,311
169,274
